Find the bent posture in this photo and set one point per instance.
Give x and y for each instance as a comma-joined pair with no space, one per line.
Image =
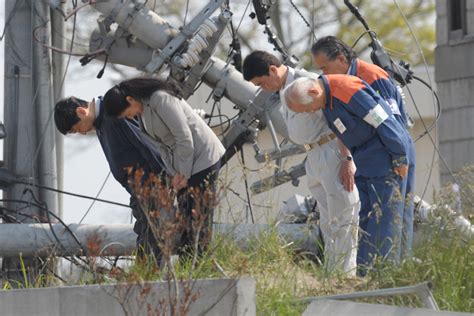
124,146
188,147
362,120
337,197
333,56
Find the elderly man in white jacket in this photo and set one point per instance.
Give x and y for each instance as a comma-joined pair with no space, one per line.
329,166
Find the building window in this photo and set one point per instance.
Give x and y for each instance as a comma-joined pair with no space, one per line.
457,18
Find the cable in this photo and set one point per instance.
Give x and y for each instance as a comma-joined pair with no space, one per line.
62,51
73,194
96,196
438,112
247,186
10,17
186,12
77,8
303,18
76,239
234,32
359,38
436,149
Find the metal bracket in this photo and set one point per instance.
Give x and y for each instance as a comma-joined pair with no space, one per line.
279,178
284,151
183,36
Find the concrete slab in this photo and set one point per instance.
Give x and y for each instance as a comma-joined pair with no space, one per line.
217,297
346,308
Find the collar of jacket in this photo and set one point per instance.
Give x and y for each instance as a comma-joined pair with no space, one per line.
98,121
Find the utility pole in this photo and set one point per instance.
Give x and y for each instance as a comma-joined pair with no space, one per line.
29,148
59,76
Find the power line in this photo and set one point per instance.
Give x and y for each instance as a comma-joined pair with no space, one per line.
434,96
96,196
73,194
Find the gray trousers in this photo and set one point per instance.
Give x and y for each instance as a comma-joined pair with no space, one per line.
339,209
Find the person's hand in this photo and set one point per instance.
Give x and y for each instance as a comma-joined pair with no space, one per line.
346,174
401,170
179,181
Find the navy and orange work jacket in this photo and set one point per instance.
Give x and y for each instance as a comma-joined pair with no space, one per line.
364,122
379,80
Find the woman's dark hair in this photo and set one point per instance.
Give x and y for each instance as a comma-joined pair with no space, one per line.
115,100
332,47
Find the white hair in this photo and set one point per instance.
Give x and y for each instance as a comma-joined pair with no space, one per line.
298,91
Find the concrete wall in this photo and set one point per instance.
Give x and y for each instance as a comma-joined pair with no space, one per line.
455,81
210,297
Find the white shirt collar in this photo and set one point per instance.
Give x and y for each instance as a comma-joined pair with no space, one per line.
289,77
98,104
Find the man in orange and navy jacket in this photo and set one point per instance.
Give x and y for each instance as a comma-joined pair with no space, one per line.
333,56
364,122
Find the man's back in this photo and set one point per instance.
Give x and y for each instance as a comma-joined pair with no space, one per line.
124,146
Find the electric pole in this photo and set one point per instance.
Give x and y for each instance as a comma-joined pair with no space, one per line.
29,149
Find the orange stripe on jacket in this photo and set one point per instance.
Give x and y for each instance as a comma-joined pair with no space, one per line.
370,72
344,87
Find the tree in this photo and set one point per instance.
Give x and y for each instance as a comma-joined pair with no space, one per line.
333,18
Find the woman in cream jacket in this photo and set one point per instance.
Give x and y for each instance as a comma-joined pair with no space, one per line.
189,148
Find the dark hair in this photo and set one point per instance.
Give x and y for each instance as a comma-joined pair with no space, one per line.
332,47
65,115
115,100
258,63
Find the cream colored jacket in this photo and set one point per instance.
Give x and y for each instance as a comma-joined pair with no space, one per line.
186,143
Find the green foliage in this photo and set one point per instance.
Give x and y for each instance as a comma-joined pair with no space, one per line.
384,18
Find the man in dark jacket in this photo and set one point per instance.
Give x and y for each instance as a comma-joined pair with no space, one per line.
124,146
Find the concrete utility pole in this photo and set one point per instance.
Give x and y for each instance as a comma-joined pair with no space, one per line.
29,148
57,39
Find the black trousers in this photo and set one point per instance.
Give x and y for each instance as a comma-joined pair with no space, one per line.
146,241
196,204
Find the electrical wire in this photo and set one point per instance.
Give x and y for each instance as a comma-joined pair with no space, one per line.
73,260
10,17
242,156
73,194
186,12
42,208
235,32
96,196
359,38
66,227
62,51
438,112
77,8
436,149
303,18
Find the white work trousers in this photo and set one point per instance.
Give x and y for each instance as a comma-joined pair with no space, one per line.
339,209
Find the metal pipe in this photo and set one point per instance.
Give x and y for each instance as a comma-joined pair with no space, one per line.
435,214
119,240
137,19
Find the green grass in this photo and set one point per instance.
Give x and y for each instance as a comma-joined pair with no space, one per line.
283,276
443,257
